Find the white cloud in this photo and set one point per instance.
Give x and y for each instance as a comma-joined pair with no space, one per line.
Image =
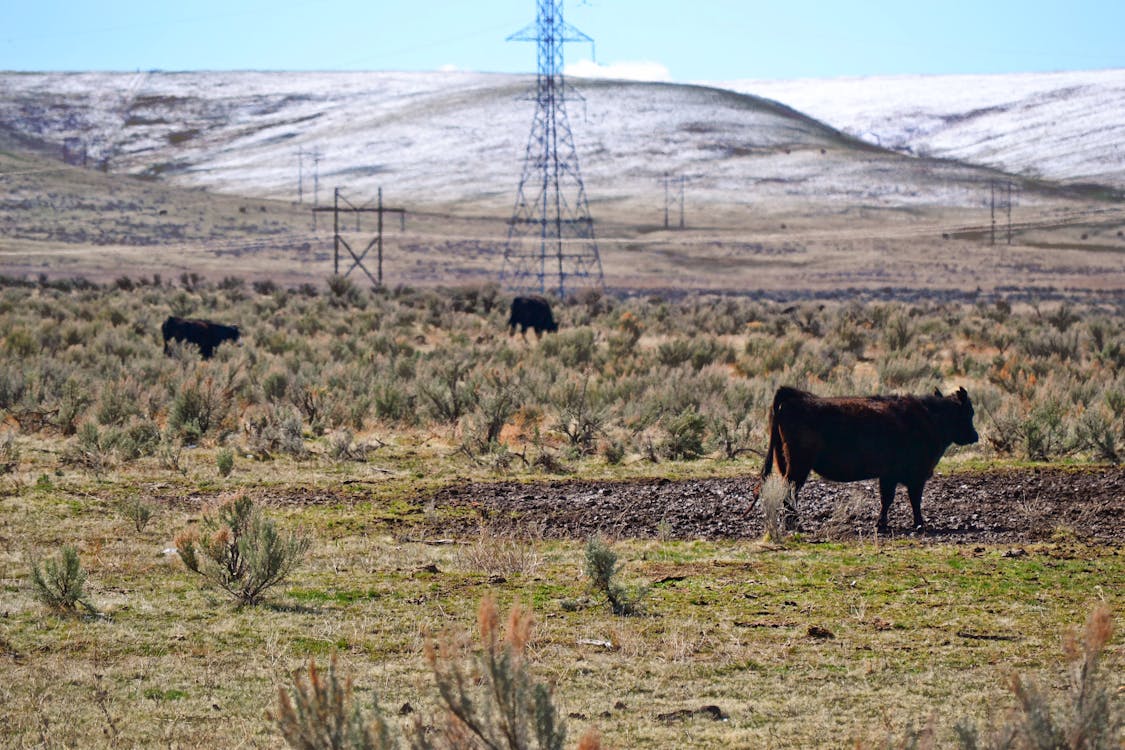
638,70
448,68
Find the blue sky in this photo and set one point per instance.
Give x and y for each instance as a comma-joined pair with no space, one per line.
680,41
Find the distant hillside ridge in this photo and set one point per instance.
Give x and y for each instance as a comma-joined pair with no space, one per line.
457,138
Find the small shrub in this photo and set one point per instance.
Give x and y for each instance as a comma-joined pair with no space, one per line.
499,395
684,435
264,287
448,391
322,714
342,292
583,413
602,569
224,461
137,512
9,453
200,407
613,451
1097,432
275,386
488,698
140,438
238,548
897,333
276,431
116,405
170,452
91,450
491,699
59,583
1043,431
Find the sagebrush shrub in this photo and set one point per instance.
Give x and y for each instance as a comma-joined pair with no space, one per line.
9,453
224,461
491,699
322,714
602,570
488,699
239,549
59,583
136,511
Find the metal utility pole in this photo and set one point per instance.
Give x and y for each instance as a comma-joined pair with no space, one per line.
376,242
551,240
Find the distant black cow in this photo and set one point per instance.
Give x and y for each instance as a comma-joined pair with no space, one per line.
895,439
531,312
203,333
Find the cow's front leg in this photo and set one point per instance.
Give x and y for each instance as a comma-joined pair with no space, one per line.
887,496
915,492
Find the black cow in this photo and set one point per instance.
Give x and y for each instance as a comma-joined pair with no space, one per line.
203,333
895,439
531,312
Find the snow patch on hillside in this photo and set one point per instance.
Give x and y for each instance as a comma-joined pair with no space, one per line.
1066,126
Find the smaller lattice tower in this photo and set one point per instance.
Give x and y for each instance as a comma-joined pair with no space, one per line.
551,244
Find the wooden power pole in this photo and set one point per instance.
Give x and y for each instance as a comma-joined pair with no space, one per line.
376,242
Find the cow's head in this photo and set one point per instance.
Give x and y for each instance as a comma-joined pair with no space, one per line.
959,417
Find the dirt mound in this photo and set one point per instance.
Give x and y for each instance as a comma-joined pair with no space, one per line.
995,507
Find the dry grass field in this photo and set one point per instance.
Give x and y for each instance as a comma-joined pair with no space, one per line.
347,413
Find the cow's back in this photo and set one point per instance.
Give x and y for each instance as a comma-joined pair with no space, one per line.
855,438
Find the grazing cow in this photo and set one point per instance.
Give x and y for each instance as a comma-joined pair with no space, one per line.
203,333
531,312
895,439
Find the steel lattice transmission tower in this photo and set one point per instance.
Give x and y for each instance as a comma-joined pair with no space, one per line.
551,235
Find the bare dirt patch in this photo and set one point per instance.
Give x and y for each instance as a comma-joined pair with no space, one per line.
995,507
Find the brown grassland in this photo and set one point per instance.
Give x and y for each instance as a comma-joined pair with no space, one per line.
377,400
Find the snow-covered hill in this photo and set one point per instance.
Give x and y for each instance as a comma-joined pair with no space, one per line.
1060,126
461,137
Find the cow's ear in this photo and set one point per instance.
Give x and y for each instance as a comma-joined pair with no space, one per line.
937,392
962,394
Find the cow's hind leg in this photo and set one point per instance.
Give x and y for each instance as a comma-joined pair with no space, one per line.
887,496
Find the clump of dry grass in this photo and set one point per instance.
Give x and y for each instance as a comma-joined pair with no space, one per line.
502,553
775,500
848,516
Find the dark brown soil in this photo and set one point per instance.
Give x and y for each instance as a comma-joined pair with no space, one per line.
995,507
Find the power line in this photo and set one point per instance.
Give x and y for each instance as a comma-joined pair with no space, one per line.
551,233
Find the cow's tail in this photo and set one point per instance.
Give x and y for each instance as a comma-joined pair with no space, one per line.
775,453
